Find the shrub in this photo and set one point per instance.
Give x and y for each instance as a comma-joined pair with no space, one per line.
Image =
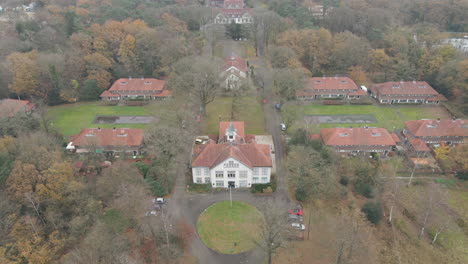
142,167
195,187
344,180
462,175
372,211
301,193
363,189
265,187
155,187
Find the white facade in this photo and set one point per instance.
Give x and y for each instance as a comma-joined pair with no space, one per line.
231,173
221,18
233,78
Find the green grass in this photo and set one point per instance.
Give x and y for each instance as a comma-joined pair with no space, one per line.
387,117
229,230
250,111
70,119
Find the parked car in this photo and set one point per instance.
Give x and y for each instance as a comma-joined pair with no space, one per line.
296,211
295,218
283,127
278,106
159,200
151,213
298,226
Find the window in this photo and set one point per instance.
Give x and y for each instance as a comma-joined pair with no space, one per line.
198,171
231,174
207,171
219,174
207,180
264,179
256,171
255,179
243,183
219,183
242,174
231,164
199,180
265,171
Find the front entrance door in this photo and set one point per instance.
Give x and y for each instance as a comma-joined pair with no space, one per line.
231,184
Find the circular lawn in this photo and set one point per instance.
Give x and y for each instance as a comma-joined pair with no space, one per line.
229,230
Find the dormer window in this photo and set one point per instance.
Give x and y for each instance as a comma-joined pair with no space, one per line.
422,86
147,82
231,137
123,83
318,81
122,133
344,81
343,134
431,126
396,86
90,135
376,134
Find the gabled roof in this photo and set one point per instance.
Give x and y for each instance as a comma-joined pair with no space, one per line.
357,136
234,61
138,84
238,126
400,88
418,144
10,107
438,128
251,155
108,137
233,4
233,12
331,83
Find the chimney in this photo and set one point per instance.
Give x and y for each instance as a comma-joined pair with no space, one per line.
129,77
366,127
98,129
114,129
438,120
142,78
414,81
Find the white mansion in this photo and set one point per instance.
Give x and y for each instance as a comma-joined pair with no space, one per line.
232,11
231,159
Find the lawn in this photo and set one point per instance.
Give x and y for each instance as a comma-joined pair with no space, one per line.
249,110
229,230
71,118
387,116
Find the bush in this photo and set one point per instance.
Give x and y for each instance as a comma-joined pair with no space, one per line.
143,167
462,175
372,211
301,194
155,187
344,180
363,189
265,187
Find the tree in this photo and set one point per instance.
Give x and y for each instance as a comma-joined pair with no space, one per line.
90,91
357,74
431,206
197,77
235,31
25,73
287,82
71,25
127,53
274,228
281,57
372,211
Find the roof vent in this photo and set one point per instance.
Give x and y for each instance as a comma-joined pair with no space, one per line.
318,81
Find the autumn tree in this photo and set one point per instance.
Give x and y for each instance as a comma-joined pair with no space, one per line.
25,73
288,81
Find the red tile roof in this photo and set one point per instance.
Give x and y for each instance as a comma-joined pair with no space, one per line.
108,137
234,61
233,3
251,155
238,125
139,84
438,128
403,88
418,144
396,138
233,12
331,83
357,136
359,92
10,107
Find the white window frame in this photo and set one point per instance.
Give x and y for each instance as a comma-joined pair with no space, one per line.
264,171
218,173
207,180
243,174
231,173
256,171
219,183
199,180
198,171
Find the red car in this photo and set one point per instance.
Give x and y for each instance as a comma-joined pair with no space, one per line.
296,211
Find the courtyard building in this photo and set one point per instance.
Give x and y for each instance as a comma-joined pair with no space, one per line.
233,72
421,134
107,140
136,88
317,88
231,158
406,93
232,11
356,140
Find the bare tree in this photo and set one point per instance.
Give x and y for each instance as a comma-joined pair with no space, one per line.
274,228
433,204
198,78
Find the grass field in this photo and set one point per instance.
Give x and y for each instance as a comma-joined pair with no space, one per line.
70,119
387,117
249,110
229,230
